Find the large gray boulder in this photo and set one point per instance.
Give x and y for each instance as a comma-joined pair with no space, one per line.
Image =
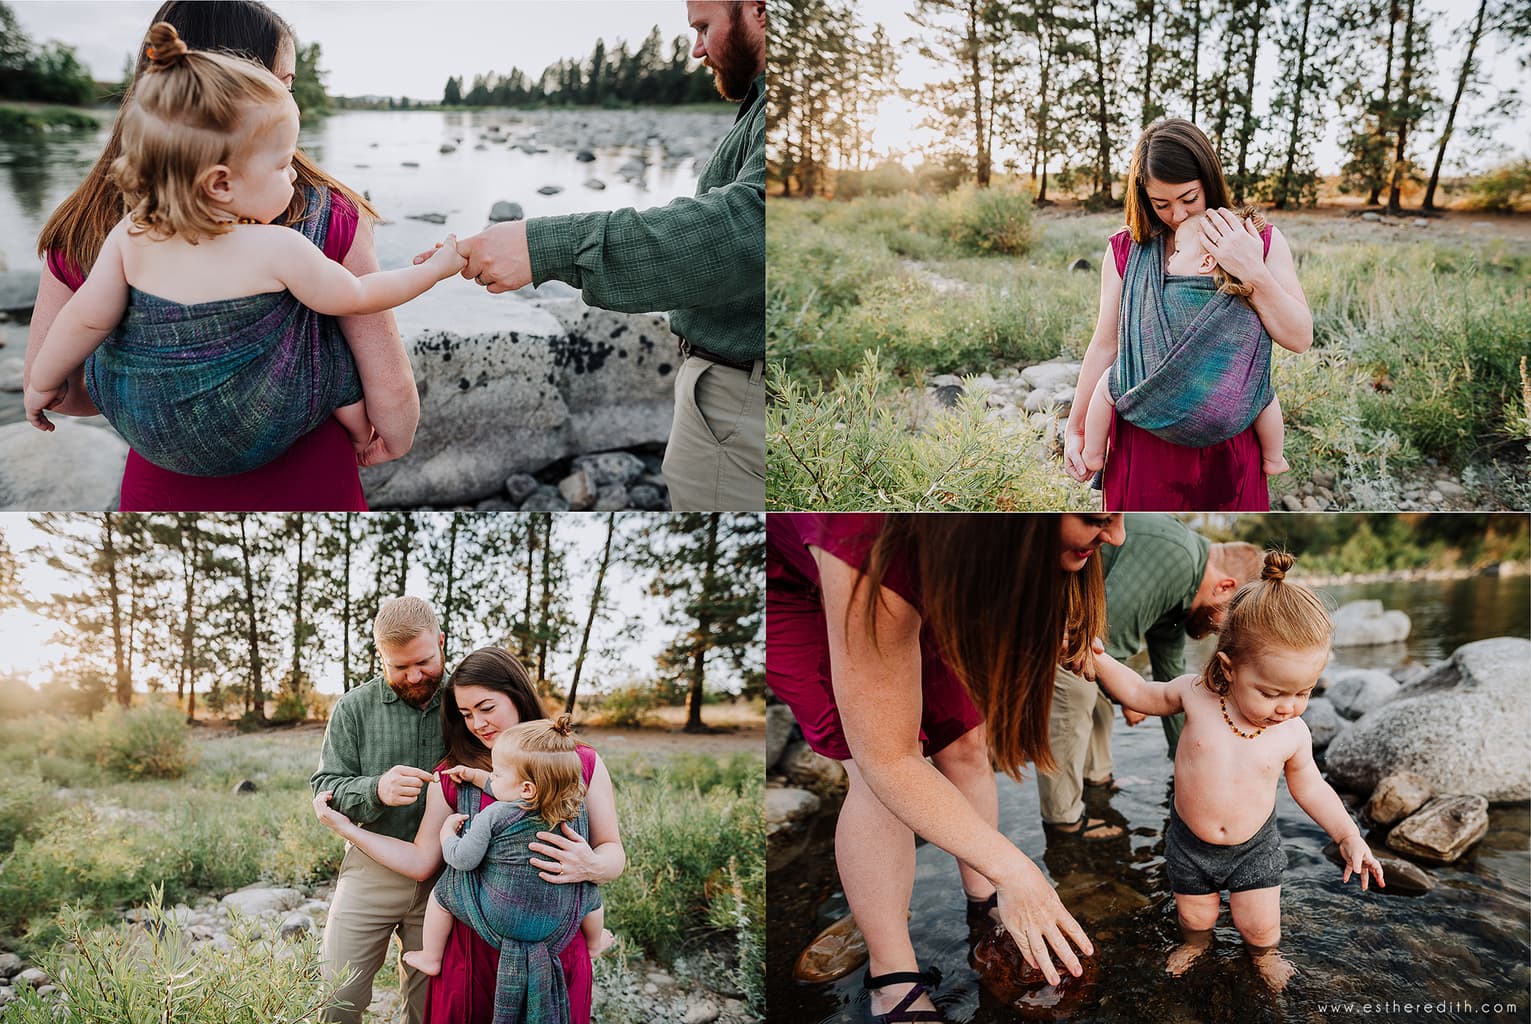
778,729
1324,723
254,900
1357,691
526,389
785,808
1367,624
76,468
18,289
1465,727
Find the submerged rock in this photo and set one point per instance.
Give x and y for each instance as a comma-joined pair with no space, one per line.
1400,877
1007,977
834,952
1443,830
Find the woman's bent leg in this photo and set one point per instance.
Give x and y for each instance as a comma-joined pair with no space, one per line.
965,763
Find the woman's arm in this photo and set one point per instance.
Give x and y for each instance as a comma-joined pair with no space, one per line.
570,857
418,860
877,692
52,295
388,382
1098,358
1277,297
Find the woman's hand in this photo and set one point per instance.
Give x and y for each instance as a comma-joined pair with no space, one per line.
1036,920
1073,456
328,816
1234,243
451,825
570,857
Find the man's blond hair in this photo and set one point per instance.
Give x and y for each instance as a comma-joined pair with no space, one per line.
1240,560
401,620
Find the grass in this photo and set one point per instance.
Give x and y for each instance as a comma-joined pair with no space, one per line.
79,842
33,119
1418,338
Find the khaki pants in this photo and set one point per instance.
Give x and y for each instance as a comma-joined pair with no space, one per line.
371,905
715,461
1080,733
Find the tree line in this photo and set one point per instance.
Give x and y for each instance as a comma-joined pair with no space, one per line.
1070,85
615,77
46,73
240,613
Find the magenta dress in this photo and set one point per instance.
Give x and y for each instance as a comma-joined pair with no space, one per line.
1146,474
797,638
463,993
317,474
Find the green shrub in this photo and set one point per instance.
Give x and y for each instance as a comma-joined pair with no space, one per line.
990,220
25,803
1506,188
148,741
630,705
147,973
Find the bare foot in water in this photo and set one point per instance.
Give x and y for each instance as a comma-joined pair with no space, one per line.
417,959
1276,466
1274,968
1183,956
602,943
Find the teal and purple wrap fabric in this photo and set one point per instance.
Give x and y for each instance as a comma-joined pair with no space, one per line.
490,884
217,388
1193,364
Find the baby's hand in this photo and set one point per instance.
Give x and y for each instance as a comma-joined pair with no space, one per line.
460,773
446,260
36,401
451,825
1359,861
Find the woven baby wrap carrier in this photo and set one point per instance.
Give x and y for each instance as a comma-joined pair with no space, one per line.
1193,364
217,388
512,909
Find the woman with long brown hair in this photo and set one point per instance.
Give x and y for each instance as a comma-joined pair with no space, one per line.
318,473
1175,175
897,638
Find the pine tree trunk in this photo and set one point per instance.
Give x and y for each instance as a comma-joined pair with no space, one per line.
703,632
975,73
446,621
256,692
1195,56
595,604
1284,193
1384,113
1148,69
1451,116
1247,128
345,608
297,612
1405,97
547,593
1103,155
188,616
124,678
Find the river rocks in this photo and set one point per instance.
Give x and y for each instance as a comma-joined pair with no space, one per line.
429,218
295,925
778,729
18,290
33,976
1366,623
10,966
504,210
784,808
245,787
255,900
1358,691
1398,796
595,185
519,487
584,156
545,499
1012,981
1465,727
30,463
608,468
803,766
550,190
578,490
11,370
703,1012
532,389
1323,722
1400,877
1443,830
1051,375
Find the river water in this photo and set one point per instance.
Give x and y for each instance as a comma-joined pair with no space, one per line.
1458,948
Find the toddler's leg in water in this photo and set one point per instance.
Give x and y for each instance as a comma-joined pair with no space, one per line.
593,928
1198,915
438,927
1257,916
1270,431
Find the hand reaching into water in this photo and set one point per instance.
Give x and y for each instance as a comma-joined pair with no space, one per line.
1039,923
1360,861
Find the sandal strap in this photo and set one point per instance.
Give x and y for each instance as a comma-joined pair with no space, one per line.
895,978
983,906
901,1013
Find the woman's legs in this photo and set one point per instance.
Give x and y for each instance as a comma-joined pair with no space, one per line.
965,763
875,855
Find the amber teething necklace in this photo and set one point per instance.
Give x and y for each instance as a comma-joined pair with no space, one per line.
1223,703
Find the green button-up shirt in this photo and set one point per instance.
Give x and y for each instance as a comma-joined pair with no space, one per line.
702,258
372,729
1150,581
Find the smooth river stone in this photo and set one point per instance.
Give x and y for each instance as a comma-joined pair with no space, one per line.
834,952
1009,979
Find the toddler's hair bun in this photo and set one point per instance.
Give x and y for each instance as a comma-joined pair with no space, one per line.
563,725
1277,564
164,46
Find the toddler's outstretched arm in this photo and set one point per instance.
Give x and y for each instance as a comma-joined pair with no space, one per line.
326,287
1323,805
81,326
1133,690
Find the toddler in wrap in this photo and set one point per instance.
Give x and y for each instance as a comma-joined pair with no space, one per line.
490,884
1191,259
220,345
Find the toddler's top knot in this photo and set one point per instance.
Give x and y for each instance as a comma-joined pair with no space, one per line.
1277,564
164,46
564,725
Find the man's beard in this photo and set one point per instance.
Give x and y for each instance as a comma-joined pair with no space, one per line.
1203,620
733,70
420,692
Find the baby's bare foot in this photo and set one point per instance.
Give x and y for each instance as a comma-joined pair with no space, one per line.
418,959
602,943
1276,466
1184,956
1275,969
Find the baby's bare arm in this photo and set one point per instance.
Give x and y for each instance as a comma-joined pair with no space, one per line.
1315,796
325,286
86,319
1134,692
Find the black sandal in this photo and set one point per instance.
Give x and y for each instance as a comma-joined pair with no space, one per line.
978,910
901,1014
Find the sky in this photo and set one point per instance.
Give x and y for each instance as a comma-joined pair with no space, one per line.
27,648
897,121
386,47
